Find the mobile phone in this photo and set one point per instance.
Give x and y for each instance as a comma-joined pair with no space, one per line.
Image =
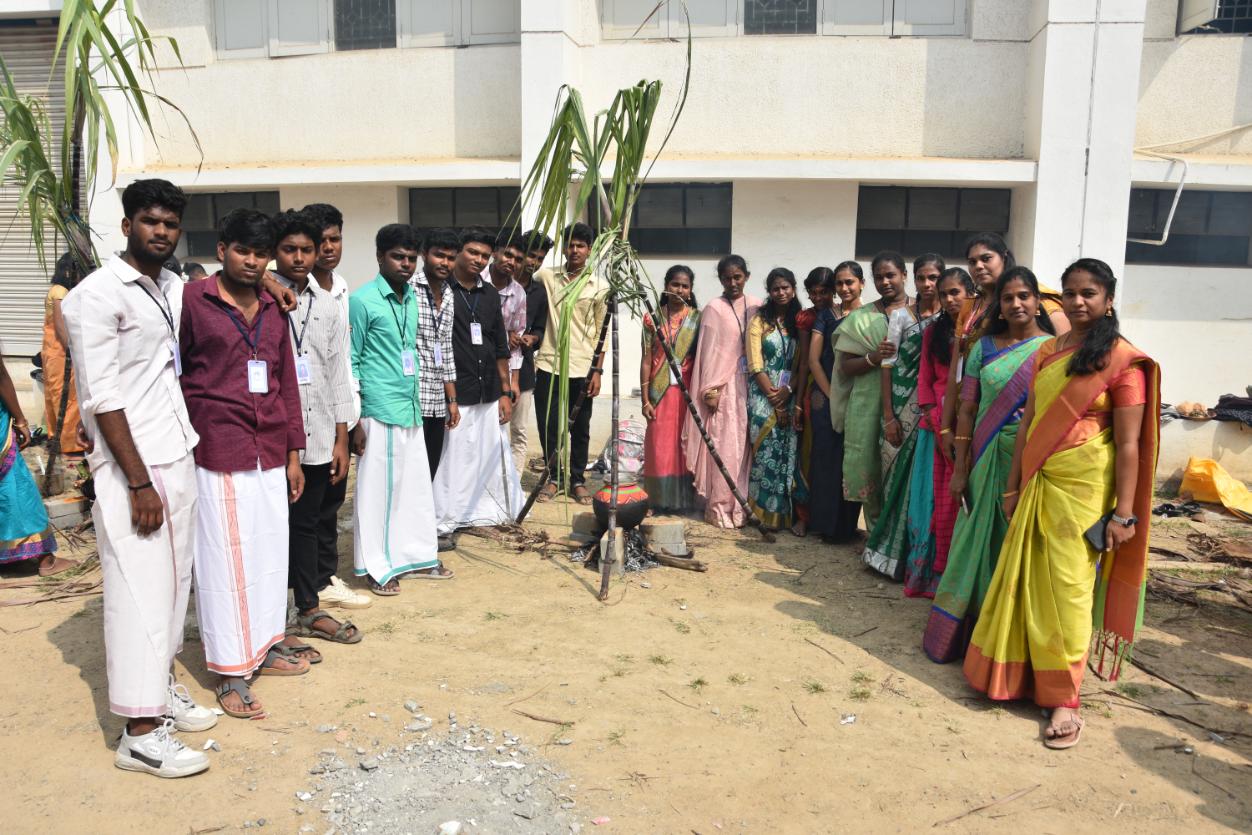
1096,533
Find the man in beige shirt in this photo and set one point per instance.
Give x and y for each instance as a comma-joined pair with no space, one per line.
584,333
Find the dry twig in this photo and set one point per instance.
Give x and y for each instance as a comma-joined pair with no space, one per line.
561,722
1007,799
675,698
823,649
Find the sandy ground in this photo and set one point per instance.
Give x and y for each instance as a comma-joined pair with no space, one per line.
695,703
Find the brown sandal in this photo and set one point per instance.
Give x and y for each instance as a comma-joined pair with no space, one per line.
389,589
547,494
581,495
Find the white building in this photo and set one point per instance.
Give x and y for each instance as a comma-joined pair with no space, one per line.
815,131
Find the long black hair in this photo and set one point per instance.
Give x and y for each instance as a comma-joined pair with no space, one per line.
678,269
945,326
1093,353
996,323
67,272
853,267
766,311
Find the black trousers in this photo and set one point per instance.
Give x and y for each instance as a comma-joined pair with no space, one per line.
549,420
328,530
433,428
303,524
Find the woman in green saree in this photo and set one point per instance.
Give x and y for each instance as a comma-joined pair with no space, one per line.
856,390
887,548
993,392
772,341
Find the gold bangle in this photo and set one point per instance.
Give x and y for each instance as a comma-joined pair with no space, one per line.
1010,493
963,437
945,431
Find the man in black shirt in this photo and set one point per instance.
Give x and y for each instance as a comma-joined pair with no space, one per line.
476,483
537,247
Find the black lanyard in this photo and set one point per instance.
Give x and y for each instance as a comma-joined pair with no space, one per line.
254,341
299,338
166,313
473,309
403,327
743,326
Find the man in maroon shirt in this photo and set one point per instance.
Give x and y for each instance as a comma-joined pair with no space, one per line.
243,398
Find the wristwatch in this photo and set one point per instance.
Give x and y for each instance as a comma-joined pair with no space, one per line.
1124,521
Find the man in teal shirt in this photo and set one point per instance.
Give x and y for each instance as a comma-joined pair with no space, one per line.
394,510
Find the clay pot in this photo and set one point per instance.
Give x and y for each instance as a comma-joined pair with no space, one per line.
632,506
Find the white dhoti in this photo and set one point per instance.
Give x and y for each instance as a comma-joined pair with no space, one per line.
241,566
146,583
476,483
394,516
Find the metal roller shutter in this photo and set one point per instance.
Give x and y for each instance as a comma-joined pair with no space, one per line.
26,46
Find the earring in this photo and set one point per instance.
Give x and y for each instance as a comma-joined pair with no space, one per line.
1108,314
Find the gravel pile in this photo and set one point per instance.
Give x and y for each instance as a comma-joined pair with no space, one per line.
448,779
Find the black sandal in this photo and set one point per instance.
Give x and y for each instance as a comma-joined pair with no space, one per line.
347,633
240,688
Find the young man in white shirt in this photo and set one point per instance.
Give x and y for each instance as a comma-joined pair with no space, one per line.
332,591
123,322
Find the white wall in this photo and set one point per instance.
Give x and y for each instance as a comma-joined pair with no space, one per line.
1194,86
1196,322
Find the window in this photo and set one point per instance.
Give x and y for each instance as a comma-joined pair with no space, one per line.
457,208
917,220
273,28
1215,17
365,24
680,219
628,18
204,211
780,17
1209,227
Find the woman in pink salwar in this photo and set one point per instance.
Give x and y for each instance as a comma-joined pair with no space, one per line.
719,387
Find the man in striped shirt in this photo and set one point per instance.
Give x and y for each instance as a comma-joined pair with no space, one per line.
317,329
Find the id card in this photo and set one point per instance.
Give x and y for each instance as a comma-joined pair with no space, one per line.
476,333
304,373
784,379
438,355
673,378
177,355
258,377
408,363
743,365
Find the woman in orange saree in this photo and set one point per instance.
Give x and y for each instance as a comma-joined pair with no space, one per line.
1087,457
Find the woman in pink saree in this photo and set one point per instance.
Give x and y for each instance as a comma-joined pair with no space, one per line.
719,387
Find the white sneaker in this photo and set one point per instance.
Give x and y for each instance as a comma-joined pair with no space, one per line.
159,753
187,715
338,594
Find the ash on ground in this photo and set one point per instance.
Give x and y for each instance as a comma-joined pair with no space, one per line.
452,779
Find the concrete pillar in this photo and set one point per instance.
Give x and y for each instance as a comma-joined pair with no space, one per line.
1080,120
549,58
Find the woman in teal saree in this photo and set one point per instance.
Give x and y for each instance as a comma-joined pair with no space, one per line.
993,392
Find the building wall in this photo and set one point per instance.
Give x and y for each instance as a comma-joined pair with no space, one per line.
822,96
355,106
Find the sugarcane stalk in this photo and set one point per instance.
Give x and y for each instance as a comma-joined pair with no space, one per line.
676,370
607,560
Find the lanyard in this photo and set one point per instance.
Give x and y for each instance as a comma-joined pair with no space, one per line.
743,326
402,326
473,308
299,338
251,341
166,313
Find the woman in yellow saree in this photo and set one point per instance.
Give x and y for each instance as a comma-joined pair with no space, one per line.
1089,448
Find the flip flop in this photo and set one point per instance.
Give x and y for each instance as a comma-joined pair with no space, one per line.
240,687
390,589
280,652
582,495
547,494
347,633
1067,741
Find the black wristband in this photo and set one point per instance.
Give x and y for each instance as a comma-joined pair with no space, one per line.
136,488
